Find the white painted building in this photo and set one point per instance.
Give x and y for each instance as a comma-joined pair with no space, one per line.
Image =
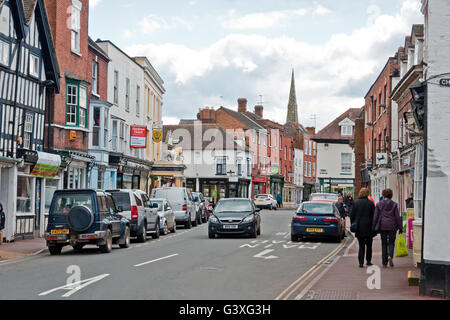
127,96
436,218
298,176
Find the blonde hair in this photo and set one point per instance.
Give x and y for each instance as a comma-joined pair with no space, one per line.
364,193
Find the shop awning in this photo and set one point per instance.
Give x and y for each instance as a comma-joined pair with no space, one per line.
47,165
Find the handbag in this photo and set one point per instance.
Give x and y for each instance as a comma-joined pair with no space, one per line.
354,227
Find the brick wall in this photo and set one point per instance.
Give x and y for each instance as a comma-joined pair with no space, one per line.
359,152
78,65
102,74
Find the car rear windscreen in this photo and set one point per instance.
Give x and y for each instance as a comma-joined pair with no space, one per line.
65,202
316,208
332,197
122,199
173,195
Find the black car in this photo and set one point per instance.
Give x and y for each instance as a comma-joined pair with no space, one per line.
81,217
235,217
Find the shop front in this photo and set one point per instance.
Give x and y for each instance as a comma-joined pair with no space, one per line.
276,185
165,173
131,173
259,186
337,185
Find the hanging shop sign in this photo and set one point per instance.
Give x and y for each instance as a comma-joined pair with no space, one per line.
138,137
47,165
157,136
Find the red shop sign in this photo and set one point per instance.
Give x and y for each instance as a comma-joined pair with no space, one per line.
138,138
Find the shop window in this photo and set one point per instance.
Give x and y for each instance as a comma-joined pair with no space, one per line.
50,187
24,194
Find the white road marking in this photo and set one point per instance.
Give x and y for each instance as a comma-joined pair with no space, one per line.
262,255
159,259
75,287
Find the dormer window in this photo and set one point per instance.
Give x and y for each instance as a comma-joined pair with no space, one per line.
347,131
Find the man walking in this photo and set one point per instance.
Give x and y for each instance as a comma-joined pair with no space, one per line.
2,223
348,201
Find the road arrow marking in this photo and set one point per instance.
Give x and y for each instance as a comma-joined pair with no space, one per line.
249,245
261,255
75,287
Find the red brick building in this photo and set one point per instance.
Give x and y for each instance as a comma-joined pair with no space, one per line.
378,127
69,114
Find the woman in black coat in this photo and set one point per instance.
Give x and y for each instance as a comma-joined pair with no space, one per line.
362,216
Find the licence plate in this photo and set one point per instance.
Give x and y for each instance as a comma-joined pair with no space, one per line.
59,232
231,227
314,230
260,201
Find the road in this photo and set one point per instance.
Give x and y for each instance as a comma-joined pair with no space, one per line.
181,266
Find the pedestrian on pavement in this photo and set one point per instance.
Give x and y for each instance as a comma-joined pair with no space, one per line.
410,202
279,200
2,223
349,202
387,216
362,216
340,206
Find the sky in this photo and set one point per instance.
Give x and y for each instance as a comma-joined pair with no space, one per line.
212,52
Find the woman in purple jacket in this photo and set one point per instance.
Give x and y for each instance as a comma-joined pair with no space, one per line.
391,221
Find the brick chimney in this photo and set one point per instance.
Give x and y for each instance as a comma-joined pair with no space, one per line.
259,111
311,130
242,105
207,115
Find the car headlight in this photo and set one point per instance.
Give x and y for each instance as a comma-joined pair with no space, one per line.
248,219
213,219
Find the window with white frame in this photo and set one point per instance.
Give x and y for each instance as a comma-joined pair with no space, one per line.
28,131
419,182
347,131
346,163
83,107
116,87
76,25
309,169
94,77
127,95
72,104
138,100
34,66
221,166
106,126
4,53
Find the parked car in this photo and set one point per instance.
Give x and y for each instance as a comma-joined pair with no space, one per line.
166,216
235,217
200,201
136,207
317,219
82,217
327,197
182,203
265,201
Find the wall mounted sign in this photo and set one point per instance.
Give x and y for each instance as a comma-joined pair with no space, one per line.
47,166
445,82
157,136
138,138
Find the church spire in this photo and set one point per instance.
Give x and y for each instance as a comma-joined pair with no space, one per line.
292,116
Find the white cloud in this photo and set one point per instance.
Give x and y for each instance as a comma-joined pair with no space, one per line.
331,77
170,120
321,10
260,20
152,23
94,3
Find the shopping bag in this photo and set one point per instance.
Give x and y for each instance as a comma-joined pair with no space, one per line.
402,250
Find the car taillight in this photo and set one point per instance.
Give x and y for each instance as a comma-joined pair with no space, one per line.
134,213
268,199
330,219
184,207
301,218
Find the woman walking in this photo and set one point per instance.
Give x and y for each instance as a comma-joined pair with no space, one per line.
362,218
387,221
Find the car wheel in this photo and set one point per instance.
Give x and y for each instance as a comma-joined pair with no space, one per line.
78,247
166,229
211,235
55,250
107,247
188,224
271,207
199,222
127,242
294,238
259,230
157,234
174,229
204,219
142,236
195,221
254,234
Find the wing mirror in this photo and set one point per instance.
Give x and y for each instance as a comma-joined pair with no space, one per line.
119,209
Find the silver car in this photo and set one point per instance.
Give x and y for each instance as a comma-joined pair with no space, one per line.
136,207
182,203
166,216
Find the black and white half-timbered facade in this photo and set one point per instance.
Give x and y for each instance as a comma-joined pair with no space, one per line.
28,77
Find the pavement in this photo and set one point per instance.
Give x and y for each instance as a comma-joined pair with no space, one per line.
22,248
344,280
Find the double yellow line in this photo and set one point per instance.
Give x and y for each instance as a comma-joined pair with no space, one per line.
294,287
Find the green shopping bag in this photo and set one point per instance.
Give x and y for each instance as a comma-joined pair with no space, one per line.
402,250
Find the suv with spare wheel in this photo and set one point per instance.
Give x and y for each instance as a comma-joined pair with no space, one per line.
82,217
